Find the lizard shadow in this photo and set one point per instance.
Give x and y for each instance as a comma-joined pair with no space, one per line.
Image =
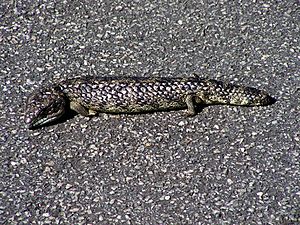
70,114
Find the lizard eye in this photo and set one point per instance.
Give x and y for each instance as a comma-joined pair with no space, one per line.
54,108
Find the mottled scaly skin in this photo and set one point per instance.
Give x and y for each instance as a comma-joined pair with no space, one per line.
91,95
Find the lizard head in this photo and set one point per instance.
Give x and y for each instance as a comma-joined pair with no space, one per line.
44,106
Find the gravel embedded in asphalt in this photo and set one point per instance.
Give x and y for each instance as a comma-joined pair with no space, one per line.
227,165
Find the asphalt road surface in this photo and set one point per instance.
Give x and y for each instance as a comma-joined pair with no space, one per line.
227,165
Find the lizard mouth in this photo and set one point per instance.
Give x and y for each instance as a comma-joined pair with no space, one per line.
36,122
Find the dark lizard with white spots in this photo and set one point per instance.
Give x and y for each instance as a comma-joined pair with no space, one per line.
92,95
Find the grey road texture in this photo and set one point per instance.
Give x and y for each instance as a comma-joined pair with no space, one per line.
227,165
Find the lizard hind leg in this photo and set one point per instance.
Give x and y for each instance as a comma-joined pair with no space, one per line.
189,100
77,107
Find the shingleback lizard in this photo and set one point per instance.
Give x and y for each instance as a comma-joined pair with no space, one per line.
91,95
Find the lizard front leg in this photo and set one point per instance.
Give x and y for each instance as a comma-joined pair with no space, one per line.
77,107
